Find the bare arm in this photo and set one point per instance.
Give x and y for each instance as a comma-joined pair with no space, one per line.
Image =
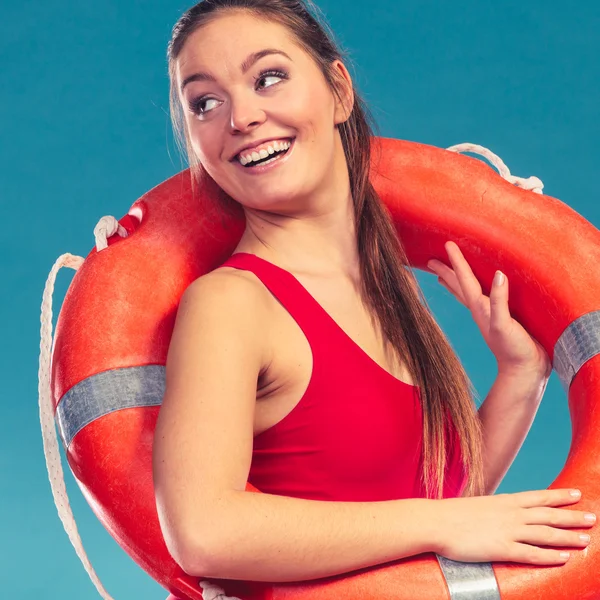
265,537
203,449
507,414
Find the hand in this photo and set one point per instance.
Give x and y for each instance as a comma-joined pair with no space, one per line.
510,527
515,350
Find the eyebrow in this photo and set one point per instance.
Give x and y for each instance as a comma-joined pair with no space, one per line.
250,60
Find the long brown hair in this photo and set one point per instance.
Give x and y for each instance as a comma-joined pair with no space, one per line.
389,287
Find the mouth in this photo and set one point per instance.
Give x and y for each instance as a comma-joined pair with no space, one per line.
269,161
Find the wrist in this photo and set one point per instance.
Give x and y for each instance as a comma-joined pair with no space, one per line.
433,522
530,372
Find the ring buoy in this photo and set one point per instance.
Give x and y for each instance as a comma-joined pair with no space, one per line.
104,381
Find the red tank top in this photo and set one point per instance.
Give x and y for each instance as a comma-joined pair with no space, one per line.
357,432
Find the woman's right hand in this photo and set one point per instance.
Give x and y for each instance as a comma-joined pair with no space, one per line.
511,527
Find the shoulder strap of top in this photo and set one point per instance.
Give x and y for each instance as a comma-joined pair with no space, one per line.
293,296
324,335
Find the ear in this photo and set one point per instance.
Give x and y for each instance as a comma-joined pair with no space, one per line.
343,83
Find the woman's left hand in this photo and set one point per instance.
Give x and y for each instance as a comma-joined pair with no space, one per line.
515,350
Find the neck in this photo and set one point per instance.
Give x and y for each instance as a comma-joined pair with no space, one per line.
314,234
321,243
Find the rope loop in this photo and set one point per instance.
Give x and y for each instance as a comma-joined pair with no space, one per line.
211,591
106,227
46,410
532,183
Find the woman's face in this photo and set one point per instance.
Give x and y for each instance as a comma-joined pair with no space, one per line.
234,98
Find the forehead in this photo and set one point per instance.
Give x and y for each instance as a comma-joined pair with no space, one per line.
227,39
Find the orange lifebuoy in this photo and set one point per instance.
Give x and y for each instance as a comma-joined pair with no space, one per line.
114,328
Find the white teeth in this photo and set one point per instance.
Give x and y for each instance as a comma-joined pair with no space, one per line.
271,149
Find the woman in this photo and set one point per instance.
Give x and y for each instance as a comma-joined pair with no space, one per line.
308,363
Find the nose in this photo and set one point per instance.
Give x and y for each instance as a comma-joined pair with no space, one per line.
246,114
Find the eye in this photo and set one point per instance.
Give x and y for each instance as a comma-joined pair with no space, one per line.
196,104
271,73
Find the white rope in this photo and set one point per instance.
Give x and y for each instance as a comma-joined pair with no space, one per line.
211,591
531,183
106,227
49,437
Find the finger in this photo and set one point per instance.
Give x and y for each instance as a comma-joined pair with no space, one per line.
556,517
557,497
500,317
542,535
453,288
538,556
466,279
446,277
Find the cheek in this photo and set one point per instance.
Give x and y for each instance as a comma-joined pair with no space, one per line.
204,143
301,106
315,110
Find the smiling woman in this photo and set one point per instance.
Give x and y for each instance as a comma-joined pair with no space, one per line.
232,98
312,335
238,95
276,402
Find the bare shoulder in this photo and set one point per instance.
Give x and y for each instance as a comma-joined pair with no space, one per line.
227,283
228,303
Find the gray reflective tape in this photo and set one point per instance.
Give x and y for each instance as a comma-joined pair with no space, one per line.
469,581
107,392
579,342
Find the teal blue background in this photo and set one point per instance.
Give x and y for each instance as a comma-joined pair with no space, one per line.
84,131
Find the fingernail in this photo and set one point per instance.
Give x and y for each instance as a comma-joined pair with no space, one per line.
499,278
564,555
575,493
590,517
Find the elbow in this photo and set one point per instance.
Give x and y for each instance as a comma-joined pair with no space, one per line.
188,543
195,559
193,553
211,557
194,565
195,544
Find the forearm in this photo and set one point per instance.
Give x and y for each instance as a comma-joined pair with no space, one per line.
506,416
265,537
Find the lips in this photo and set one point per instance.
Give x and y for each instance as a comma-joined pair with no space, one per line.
260,143
268,165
